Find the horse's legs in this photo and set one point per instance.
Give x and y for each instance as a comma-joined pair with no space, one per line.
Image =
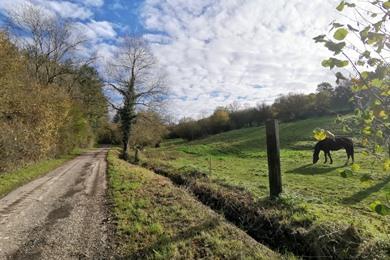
326,158
352,155
349,154
330,157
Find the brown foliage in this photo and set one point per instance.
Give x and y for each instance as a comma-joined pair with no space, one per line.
36,121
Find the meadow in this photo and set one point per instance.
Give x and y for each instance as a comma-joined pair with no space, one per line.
156,220
238,158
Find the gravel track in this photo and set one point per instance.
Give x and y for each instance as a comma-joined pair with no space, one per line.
62,215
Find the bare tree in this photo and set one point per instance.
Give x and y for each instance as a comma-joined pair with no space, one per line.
50,42
135,77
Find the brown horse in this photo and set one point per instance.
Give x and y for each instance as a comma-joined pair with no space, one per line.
329,144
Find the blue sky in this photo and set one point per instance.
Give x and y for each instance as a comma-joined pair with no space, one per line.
123,13
215,52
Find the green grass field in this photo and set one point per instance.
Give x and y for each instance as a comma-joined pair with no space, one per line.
156,220
239,158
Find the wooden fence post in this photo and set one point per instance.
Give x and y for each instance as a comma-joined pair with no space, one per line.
273,154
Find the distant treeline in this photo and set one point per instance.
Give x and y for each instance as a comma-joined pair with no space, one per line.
326,101
48,105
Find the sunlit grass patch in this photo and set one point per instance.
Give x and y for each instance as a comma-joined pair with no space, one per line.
156,220
238,158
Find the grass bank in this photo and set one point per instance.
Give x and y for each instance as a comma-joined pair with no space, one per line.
316,200
280,224
12,180
156,220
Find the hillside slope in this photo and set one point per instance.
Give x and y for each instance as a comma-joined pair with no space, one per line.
239,158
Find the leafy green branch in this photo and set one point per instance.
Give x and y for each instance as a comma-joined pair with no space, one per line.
361,44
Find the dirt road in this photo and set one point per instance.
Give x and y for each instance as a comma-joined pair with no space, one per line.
61,215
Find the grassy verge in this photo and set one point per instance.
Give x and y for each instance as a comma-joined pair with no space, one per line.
12,180
156,220
317,200
281,224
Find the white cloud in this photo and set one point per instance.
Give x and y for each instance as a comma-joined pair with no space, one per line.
117,5
105,53
216,51
97,30
97,3
65,9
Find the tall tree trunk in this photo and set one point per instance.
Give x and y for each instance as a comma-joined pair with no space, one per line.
125,150
127,116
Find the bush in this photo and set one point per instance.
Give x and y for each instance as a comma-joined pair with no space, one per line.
38,121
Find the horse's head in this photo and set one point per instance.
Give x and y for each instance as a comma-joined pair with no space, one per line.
316,157
316,154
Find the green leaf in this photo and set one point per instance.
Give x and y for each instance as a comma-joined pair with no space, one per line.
366,54
340,34
335,47
337,25
382,114
378,148
319,134
358,112
325,63
346,173
374,204
364,33
342,63
340,7
380,208
333,62
355,167
378,26
319,38
376,83
351,28
365,74
340,76
367,131
386,5
374,61
375,38
386,165
360,63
